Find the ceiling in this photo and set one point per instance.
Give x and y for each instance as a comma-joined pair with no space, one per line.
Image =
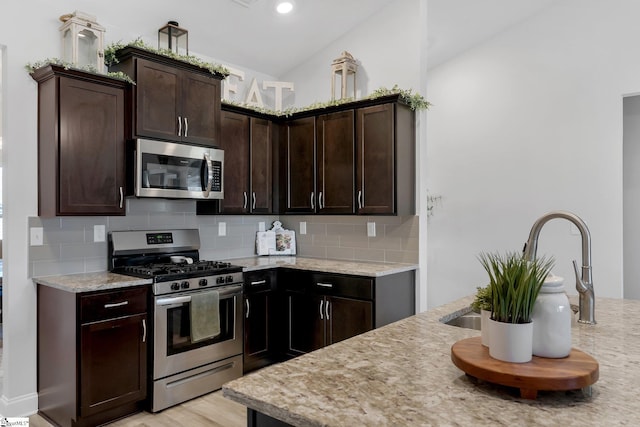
248,33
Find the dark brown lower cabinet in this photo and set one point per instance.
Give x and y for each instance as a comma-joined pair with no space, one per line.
261,311
323,308
92,355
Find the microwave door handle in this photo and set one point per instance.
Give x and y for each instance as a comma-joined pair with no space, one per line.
207,190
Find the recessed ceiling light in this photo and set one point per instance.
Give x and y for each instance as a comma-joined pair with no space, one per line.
284,7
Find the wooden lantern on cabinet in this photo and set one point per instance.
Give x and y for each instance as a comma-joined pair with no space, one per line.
82,40
344,66
172,37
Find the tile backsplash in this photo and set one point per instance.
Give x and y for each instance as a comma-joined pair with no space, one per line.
69,247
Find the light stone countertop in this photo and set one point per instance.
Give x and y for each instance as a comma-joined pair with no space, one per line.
87,282
358,268
402,375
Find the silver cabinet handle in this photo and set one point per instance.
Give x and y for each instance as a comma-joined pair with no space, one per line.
244,193
186,127
209,174
258,282
144,330
116,304
320,200
312,204
179,126
324,285
121,197
246,302
321,302
359,199
253,203
326,310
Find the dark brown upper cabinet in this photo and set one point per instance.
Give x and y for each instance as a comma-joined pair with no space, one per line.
318,159
385,167
298,165
356,158
81,143
172,100
248,146
335,155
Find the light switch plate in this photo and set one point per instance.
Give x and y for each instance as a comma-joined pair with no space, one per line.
37,238
371,229
98,233
303,227
261,226
222,229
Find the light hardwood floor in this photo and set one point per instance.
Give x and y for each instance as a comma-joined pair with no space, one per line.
211,410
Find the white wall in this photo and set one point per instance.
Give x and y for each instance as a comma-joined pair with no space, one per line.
631,199
529,122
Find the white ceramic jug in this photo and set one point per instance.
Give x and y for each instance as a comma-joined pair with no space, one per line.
552,320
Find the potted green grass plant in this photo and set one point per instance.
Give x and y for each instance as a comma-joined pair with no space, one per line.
514,283
482,304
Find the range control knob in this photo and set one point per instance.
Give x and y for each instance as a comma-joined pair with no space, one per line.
203,282
184,285
219,280
229,279
175,286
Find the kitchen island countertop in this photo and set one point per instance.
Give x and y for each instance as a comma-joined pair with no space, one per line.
358,268
402,374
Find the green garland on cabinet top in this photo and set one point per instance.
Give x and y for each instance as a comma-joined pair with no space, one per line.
31,67
111,58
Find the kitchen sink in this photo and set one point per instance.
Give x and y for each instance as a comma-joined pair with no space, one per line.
471,320
466,319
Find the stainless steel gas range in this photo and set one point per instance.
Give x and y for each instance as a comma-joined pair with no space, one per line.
184,365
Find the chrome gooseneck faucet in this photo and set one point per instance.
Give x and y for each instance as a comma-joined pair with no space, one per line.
584,282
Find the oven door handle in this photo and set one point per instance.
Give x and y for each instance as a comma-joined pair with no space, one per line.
225,292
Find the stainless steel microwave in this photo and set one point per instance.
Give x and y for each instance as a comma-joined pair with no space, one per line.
177,171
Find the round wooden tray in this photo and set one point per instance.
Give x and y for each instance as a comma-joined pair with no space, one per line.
578,370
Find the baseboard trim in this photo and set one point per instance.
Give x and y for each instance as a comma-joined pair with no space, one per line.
21,406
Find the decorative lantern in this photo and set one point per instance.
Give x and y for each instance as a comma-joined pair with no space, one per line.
174,38
343,66
82,40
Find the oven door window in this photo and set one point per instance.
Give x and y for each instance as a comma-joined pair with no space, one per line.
179,327
172,173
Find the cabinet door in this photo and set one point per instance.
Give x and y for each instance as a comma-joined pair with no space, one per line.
235,143
306,323
256,329
300,166
346,318
113,365
200,108
261,161
335,157
157,106
376,160
91,149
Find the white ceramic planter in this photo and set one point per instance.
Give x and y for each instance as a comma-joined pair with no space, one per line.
485,316
511,342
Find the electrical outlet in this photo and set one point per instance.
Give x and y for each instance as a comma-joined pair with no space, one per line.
371,229
261,226
98,233
303,227
36,236
222,229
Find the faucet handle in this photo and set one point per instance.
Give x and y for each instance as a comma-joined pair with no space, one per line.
580,285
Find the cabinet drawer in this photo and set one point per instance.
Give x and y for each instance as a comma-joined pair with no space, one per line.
344,286
112,304
262,280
